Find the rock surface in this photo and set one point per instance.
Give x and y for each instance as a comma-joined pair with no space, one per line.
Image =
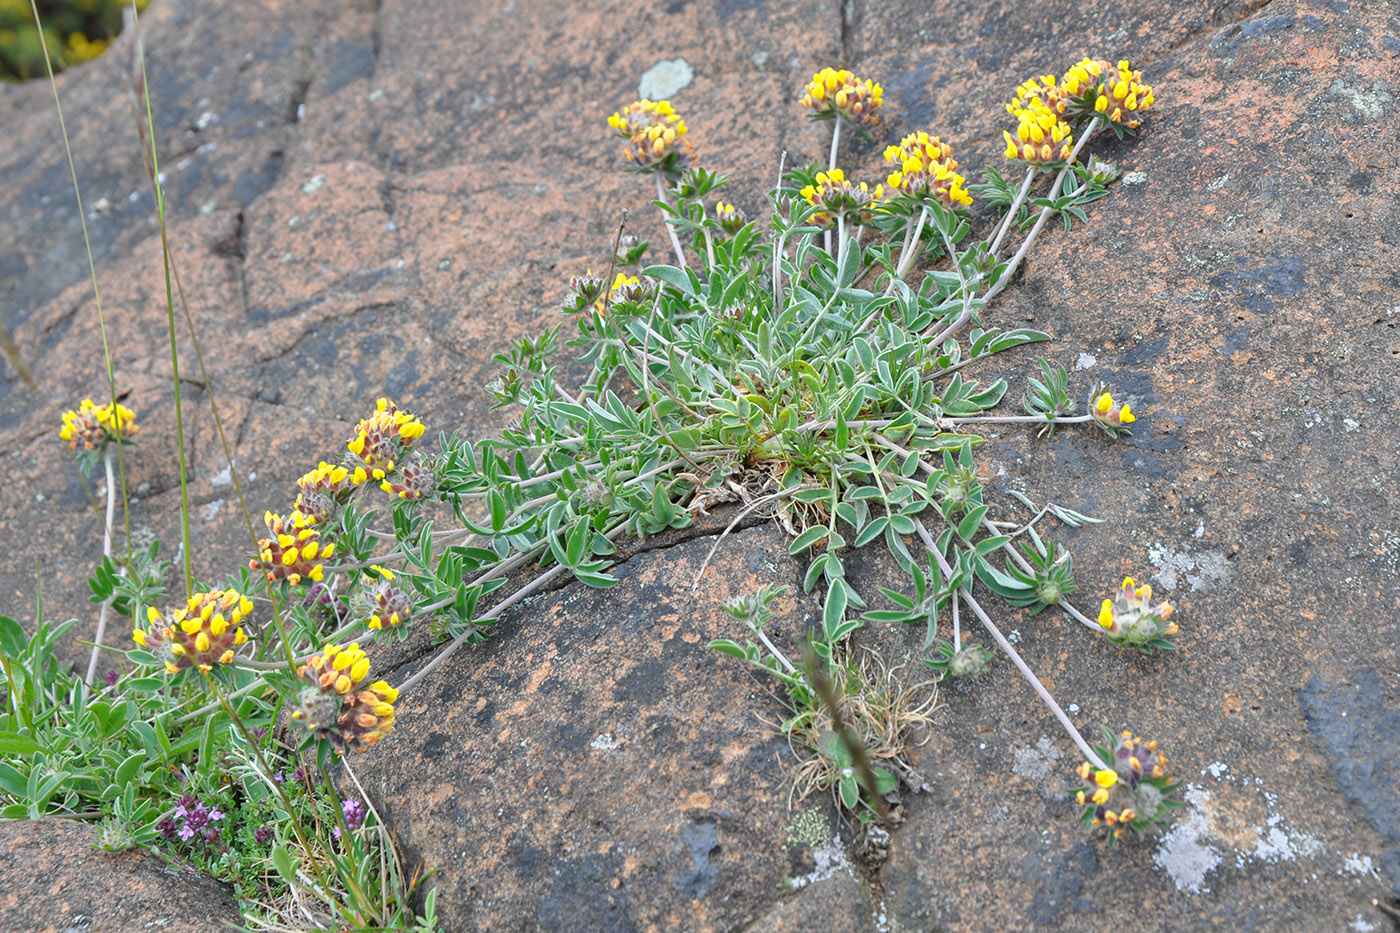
373,198
52,880
598,767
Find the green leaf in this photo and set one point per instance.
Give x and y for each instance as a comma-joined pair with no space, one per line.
871,531
834,612
671,276
850,793
597,580
12,743
128,769
282,861
731,648
12,781
988,545
498,510
808,538
578,543
12,638
971,522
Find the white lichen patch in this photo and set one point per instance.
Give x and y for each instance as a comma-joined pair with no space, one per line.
665,78
1036,762
1276,843
1360,865
1199,570
604,742
1185,853
829,859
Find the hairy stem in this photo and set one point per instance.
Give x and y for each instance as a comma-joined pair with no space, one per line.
106,552
1000,230
670,230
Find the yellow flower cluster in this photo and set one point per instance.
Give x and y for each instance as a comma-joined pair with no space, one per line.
1131,619
641,114
1109,411
1042,135
293,552
655,135
386,603
381,439
833,93
731,219
625,288
336,706
1129,793
93,426
1116,94
202,633
925,167
837,196
321,490
414,480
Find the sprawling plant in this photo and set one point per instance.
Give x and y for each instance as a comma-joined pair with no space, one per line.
816,368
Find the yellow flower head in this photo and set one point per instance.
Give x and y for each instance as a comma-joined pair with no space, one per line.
731,219
293,552
200,634
322,490
831,94
1131,619
383,601
337,706
1113,93
925,167
1042,136
641,114
837,196
93,426
380,440
1111,414
655,136
1125,794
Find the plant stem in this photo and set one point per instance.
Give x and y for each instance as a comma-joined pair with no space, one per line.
830,167
92,266
1021,665
840,242
675,240
906,253
496,611
106,552
999,231
174,354
778,246
1045,214
1018,419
